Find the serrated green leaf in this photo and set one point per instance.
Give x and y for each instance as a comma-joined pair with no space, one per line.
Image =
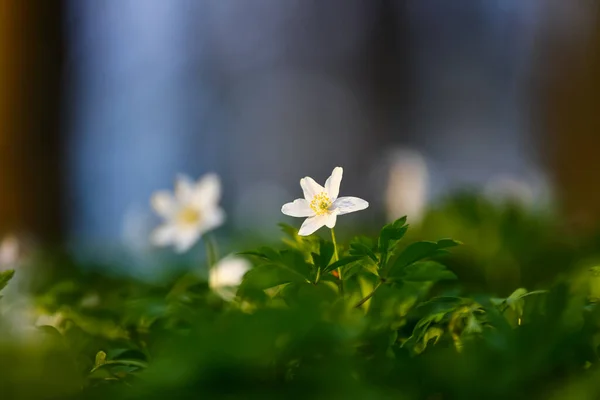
360,249
323,258
426,271
289,230
418,251
267,276
270,253
400,222
391,233
5,277
515,296
294,260
342,262
413,253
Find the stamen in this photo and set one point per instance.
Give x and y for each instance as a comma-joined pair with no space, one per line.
320,203
188,216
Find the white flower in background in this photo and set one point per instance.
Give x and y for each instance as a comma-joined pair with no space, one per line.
507,189
10,253
189,213
226,275
407,186
321,204
55,320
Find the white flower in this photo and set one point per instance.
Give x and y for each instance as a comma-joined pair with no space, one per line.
507,189
407,186
192,211
10,251
226,275
321,204
55,320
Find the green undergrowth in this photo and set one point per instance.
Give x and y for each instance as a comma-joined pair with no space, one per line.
511,313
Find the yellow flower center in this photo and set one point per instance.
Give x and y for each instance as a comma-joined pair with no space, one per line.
320,203
188,216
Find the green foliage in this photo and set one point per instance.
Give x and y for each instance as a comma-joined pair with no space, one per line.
396,316
5,277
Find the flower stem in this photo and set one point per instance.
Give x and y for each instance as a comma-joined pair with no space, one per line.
335,250
337,258
367,297
211,251
318,276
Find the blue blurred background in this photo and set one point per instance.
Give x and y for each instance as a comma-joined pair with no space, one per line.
103,102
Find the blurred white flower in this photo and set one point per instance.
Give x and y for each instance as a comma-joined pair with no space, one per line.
321,204
507,189
226,275
407,186
10,253
55,320
90,300
189,213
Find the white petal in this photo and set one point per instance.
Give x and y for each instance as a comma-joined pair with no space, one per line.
185,239
163,235
311,225
298,208
10,248
331,219
345,205
207,190
227,293
332,185
212,219
184,189
228,272
163,203
310,188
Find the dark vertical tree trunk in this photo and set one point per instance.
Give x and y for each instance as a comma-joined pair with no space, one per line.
569,94
30,103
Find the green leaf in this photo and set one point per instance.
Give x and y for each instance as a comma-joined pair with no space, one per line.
361,250
293,260
426,271
342,262
391,233
364,247
516,296
270,253
413,253
252,253
267,276
5,277
289,230
418,251
446,243
326,250
100,358
129,363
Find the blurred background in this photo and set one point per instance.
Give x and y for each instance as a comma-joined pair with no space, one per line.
103,102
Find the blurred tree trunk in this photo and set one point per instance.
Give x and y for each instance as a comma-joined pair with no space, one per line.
30,74
568,74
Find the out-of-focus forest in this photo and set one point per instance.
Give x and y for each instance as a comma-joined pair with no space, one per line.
103,102
153,154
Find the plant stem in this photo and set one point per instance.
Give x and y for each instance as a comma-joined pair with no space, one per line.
335,250
211,252
337,258
367,297
318,276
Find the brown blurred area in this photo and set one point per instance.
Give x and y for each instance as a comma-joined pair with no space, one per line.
31,56
570,114
566,99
